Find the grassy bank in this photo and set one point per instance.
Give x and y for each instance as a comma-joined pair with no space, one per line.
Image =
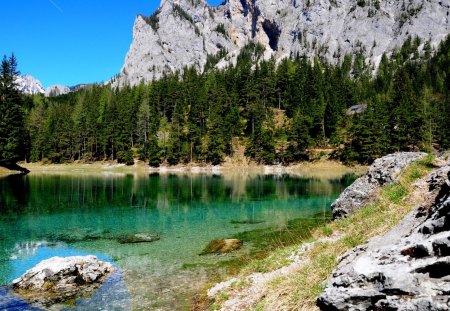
299,289
325,169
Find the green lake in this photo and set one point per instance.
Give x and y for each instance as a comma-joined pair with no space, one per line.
46,215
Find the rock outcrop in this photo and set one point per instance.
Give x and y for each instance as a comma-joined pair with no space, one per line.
184,33
59,279
407,269
383,171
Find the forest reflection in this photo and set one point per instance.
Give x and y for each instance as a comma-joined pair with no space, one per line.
37,193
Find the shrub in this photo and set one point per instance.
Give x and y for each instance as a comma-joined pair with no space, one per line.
125,157
221,29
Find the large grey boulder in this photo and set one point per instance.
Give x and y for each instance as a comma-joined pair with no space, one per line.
59,279
407,269
383,171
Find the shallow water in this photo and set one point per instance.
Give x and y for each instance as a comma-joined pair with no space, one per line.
43,215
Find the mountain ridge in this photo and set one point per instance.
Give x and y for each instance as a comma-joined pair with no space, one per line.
183,33
30,85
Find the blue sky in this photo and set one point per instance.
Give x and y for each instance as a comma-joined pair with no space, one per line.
70,41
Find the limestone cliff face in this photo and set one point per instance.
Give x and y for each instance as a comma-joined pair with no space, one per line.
183,32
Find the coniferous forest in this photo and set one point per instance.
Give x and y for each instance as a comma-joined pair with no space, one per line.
276,112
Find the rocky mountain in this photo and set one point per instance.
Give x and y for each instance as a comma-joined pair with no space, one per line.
185,32
29,85
56,90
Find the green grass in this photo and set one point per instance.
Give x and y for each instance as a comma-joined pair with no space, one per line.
395,193
328,231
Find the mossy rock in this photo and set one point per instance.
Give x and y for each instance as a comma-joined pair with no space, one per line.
222,246
143,237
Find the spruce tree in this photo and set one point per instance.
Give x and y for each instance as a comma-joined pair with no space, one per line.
12,129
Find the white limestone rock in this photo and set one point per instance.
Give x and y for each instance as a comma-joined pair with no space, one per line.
61,278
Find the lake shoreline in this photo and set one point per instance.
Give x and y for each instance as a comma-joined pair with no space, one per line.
319,169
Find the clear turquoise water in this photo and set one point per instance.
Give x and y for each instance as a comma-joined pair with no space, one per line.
43,215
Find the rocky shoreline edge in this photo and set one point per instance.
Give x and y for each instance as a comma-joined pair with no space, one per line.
406,268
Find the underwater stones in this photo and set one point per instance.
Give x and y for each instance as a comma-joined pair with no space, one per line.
143,237
59,279
246,222
222,246
73,235
86,234
383,171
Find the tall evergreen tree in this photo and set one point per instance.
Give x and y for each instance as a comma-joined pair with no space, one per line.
12,127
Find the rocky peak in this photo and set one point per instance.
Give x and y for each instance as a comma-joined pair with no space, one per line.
56,90
28,84
183,33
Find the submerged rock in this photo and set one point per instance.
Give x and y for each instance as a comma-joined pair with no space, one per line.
73,235
139,238
222,246
407,269
383,171
60,279
246,222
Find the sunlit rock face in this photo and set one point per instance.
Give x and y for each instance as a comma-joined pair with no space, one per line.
408,268
184,32
28,84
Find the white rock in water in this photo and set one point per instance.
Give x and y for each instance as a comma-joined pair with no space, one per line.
61,278
183,33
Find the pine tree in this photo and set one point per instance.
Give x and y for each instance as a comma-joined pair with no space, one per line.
299,138
12,127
